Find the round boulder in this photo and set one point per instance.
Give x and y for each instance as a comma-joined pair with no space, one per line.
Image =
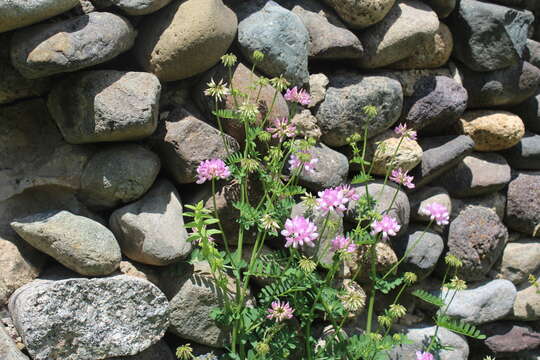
523,204
363,13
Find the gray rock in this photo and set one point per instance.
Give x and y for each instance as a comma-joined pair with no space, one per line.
495,201
425,196
420,250
527,304
396,37
118,174
85,319
158,351
282,37
70,45
140,7
409,78
317,89
341,113
529,112
183,140
505,87
193,295
508,340
523,203
421,338
526,154
477,174
16,14
359,14
440,154
77,242
489,37
488,302
106,105
151,230
34,152
437,103
8,349
331,170
443,8
477,237
519,259
532,52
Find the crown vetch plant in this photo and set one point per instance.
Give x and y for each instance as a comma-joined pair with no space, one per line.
304,289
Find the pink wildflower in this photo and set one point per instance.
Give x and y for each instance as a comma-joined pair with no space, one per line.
424,356
300,96
296,162
402,130
437,212
280,311
399,176
388,226
344,243
282,128
211,169
331,200
299,231
348,193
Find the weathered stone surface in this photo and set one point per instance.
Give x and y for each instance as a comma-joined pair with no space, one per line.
140,271
491,130
388,151
317,88
477,237
340,114
436,104
519,259
407,25
489,302
425,196
422,336
477,174
331,170
433,52
70,45
85,319
505,87
34,152
106,105
495,201
151,230
421,251
526,154
182,141
440,154
508,340
306,125
523,203
8,349
363,13
529,112
185,38
386,258
489,37
16,14
118,174
193,295
158,351
527,304
140,7
77,242
532,52
282,37
443,8
409,78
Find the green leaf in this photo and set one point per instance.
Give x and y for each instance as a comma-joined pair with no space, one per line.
385,286
226,114
429,298
459,327
361,179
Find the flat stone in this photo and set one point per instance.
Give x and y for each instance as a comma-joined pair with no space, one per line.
526,154
140,7
519,259
527,304
118,174
151,230
388,151
489,37
340,115
523,204
70,45
283,38
529,112
440,154
505,339
183,141
106,105
363,13
477,174
185,38
16,14
331,170
407,25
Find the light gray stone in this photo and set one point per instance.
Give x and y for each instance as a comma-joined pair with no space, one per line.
519,259
425,196
317,88
527,304
88,319
140,7
331,170
8,349
16,14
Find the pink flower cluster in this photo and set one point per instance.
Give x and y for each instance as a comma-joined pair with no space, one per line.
400,177
334,199
282,128
388,226
212,169
424,356
295,162
300,96
402,130
342,243
280,311
299,231
437,212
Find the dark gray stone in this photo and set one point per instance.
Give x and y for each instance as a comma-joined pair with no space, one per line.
341,113
331,170
532,52
443,8
495,201
158,351
477,174
529,112
439,155
526,154
523,203
489,37
505,87
70,45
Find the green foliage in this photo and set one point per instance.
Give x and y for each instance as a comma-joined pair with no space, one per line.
459,327
385,286
429,298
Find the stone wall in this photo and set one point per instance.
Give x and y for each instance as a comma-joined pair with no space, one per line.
103,121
